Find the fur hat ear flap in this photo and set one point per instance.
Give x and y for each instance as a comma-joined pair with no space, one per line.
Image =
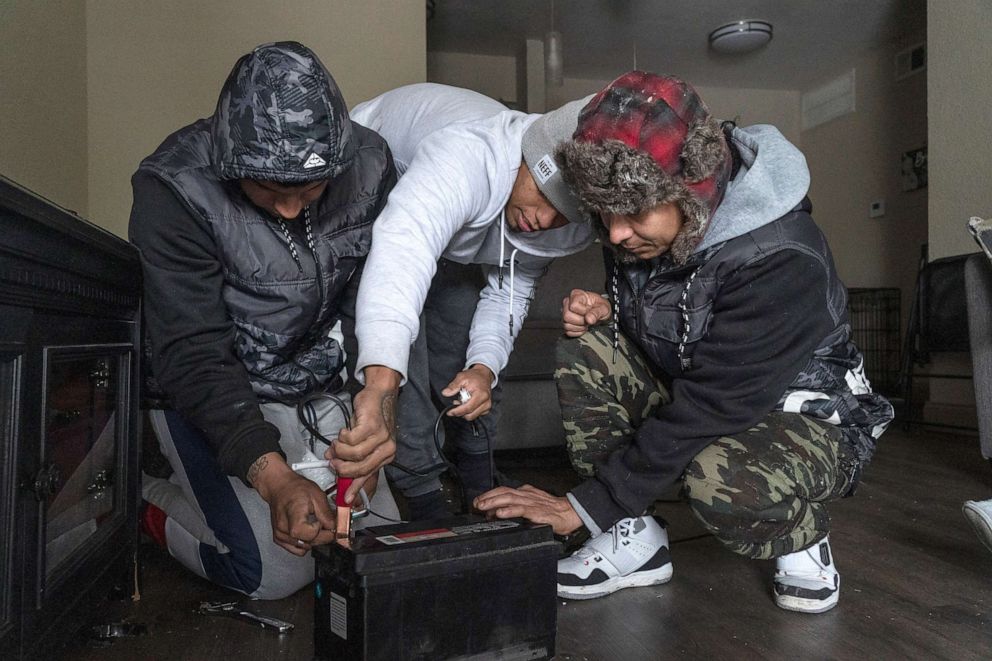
704,149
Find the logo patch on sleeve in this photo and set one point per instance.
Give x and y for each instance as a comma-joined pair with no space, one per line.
545,169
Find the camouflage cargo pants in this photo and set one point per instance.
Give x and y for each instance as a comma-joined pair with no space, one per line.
761,492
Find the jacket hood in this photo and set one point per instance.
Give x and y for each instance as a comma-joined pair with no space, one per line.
772,180
281,117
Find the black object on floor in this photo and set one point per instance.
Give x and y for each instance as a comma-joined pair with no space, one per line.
460,587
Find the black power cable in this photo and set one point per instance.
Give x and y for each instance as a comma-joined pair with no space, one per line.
308,418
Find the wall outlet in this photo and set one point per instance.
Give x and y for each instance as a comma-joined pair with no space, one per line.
876,209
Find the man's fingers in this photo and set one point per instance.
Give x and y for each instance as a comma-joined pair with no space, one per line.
380,455
360,450
479,405
574,330
502,497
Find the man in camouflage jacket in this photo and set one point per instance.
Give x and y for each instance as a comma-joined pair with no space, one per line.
253,225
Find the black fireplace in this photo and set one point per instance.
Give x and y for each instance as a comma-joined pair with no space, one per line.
69,481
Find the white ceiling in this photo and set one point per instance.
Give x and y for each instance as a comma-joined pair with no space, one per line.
813,39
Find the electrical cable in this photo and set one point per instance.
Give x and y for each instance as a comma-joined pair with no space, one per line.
307,415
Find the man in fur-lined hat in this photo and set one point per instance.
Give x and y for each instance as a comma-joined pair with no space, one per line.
720,355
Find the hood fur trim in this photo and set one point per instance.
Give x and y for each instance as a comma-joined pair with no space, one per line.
612,178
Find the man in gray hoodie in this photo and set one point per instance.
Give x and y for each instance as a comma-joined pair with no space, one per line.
478,214
720,357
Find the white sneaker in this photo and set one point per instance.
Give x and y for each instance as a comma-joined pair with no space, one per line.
633,553
807,581
979,515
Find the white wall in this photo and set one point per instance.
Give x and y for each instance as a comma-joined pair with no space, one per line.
43,142
87,89
153,67
855,159
960,90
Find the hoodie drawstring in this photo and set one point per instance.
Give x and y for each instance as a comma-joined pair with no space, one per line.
502,262
684,363
614,323
502,244
513,258
289,237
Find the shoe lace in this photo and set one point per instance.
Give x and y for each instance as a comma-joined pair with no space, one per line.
621,529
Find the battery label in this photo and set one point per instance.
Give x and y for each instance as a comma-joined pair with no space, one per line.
484,526
439,533
416,536
339,616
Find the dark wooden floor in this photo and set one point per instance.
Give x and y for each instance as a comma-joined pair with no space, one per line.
915,584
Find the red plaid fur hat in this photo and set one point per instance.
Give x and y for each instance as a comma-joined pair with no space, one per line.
646,140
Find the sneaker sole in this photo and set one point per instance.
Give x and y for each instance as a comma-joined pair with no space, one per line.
980,522
635,580
800,605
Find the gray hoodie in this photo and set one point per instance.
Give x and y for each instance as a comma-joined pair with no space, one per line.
772,180
458,153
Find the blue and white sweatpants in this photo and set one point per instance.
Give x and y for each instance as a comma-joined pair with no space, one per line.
221,529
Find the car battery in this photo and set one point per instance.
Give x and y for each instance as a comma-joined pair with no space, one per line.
458,588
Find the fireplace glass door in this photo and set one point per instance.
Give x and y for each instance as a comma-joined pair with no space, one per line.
78,481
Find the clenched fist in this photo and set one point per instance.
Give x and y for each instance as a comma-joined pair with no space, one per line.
582,309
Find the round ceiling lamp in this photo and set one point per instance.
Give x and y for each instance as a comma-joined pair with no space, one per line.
741,36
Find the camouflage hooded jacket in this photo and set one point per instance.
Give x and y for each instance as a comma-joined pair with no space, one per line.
238,305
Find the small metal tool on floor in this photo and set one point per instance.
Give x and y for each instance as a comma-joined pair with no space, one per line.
232,609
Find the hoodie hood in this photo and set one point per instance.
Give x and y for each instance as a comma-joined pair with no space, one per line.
772,180
281,117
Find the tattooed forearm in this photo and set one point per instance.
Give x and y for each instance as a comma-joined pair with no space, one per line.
388,408
256,468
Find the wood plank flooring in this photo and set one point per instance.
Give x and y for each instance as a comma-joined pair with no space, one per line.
915,584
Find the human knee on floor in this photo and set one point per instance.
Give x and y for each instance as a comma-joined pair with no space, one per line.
283,576
232,315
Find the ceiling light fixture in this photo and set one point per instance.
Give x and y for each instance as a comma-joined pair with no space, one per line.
741,36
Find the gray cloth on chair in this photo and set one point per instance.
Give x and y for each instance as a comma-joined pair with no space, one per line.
978,285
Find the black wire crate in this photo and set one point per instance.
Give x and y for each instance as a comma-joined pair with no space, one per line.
875,328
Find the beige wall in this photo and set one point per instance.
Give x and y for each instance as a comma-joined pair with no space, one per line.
960,87
153,67
854,160
492,75
496,76
43,98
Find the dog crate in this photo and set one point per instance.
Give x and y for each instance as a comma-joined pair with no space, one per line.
875,328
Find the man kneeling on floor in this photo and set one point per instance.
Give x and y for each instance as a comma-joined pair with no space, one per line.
253,226
720,356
